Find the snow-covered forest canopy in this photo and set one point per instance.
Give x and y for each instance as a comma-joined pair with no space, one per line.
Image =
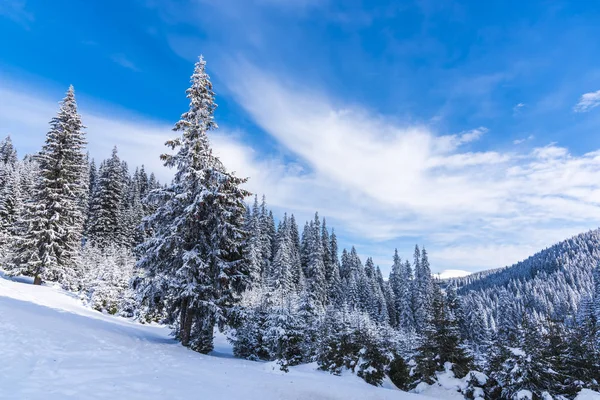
202,253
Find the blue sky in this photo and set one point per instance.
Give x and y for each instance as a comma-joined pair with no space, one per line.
470,127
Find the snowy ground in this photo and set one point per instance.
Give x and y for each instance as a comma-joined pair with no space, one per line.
52,347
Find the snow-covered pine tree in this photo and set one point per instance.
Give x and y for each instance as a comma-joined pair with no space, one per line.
596,292
48,249
422,290
304,247
284,333
194,261
296,267
8,154
84,199
295,234
354,277
143,182
133,213
335,290
388,298
281,278
326,252
11,207
107,222
93,179
92,187
525,368
509,319
401,283
272,233
315,269
442,343
254,245
583,343
376,304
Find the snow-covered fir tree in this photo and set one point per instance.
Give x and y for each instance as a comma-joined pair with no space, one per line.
54,218
422,294
315,268
8,153
193,261
107,220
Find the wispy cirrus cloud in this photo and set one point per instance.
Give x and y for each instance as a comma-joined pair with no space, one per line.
386,180
16,11
124,62
523,140
518,108
587,101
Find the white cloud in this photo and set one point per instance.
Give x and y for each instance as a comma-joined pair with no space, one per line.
386,180
124,62
523,140
517,108
16,10
587,101
451,142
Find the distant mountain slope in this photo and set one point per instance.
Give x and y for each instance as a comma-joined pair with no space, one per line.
461,281
551,283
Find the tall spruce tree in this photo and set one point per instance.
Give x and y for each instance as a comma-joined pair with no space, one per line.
11,207
442,342
253,245
107,219
315,269
336,291
423,289
8,154
401,282
194,260
48,249
281,276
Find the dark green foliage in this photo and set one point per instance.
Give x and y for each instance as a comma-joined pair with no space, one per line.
442,343
399,373
338,350
374,358
249,342
286,338
583,353
356,345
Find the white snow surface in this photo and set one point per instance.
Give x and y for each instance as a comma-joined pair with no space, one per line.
587,394
446,387
452,273
524,395
53,347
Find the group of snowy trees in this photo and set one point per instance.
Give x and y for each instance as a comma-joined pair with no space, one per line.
64,221
305,297
194,255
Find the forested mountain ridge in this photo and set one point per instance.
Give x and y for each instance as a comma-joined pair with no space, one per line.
550,284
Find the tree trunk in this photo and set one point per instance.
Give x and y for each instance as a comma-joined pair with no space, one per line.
182,320
206,342
187,325
37,280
